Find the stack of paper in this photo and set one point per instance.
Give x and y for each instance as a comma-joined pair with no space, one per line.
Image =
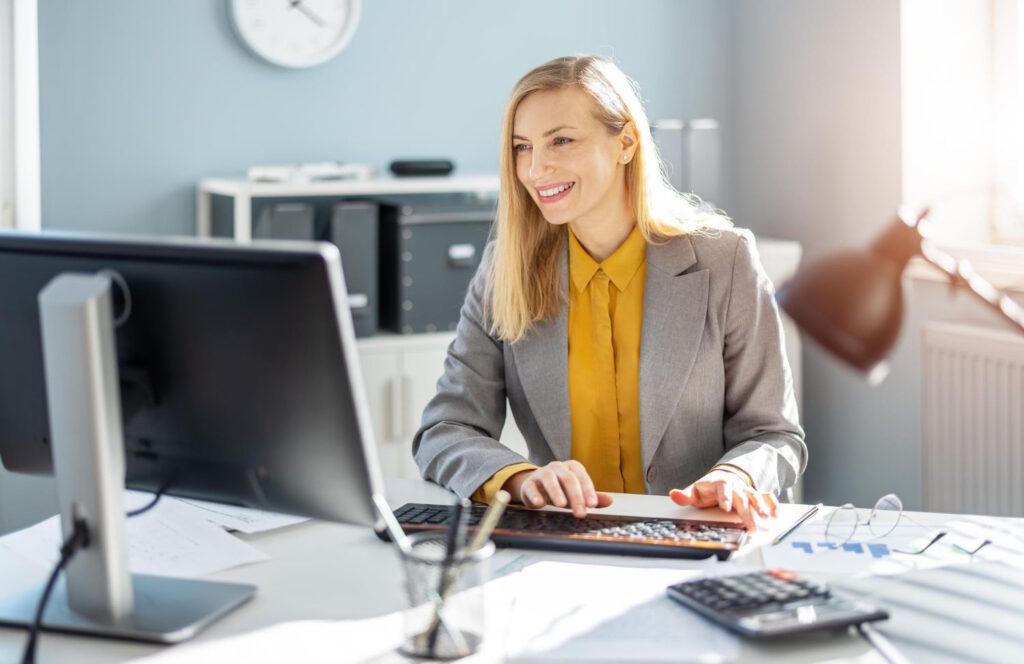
172,539
962,613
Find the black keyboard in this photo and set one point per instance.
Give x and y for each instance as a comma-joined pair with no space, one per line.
771,603
619,535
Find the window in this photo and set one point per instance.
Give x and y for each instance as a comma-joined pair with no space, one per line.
963,146
6,116
1008,92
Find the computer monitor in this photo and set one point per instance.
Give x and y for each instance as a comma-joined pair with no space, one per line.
233,377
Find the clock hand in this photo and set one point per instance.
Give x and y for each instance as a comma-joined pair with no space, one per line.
309,13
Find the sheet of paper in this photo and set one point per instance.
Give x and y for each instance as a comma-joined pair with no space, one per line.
367,641
308,641
955,613
231,517
169,541
807,549
580,612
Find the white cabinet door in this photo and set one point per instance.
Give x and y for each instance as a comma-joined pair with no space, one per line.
422,365
400,375
381,371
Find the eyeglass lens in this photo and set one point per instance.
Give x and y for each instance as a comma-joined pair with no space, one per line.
885,515
842,523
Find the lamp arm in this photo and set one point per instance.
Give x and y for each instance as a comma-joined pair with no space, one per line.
960,272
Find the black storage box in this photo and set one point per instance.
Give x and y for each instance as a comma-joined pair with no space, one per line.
430,250
353,228
284,221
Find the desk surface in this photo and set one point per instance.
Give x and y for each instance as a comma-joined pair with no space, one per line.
330,572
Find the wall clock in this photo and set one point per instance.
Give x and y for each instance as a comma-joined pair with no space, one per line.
295,33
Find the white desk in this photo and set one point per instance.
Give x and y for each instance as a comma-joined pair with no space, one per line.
331,572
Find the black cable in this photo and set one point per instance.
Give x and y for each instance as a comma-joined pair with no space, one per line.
148,506
78,539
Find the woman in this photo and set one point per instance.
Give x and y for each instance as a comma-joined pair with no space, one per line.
634,334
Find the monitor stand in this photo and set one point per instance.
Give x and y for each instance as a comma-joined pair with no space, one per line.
98,595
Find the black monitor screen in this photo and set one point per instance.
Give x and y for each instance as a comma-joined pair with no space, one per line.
238,372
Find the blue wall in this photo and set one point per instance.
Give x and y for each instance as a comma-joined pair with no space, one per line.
139,99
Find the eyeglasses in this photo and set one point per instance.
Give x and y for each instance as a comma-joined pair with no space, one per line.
843,522
884,517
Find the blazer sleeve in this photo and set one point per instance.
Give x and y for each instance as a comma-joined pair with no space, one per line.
761,425
457,442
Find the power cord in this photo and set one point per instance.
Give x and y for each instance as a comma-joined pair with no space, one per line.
148,506
78,539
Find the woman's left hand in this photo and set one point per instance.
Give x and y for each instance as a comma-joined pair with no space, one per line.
730,492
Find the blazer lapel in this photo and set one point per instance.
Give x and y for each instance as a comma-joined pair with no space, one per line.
675,309
542,359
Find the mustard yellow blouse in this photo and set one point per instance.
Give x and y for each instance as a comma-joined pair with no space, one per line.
606,304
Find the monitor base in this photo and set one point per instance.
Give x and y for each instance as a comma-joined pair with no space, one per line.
166,610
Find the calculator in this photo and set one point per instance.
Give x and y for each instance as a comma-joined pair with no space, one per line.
771,603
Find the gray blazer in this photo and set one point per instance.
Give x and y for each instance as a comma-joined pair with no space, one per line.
714,385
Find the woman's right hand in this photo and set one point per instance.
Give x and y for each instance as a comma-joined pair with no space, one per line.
560,483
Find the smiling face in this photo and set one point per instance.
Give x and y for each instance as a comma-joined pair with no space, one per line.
569,162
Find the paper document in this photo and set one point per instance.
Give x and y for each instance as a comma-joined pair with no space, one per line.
170,540
372,640
579,612
242,519
308,641
962,613
808,550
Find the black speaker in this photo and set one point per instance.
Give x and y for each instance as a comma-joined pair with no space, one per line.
421,167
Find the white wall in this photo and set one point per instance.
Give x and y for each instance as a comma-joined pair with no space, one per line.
23,499
817,159
6,113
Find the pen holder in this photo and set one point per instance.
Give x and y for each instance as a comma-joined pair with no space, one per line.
444,617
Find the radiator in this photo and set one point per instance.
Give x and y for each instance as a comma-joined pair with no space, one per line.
972,398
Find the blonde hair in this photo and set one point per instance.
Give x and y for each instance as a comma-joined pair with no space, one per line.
523,282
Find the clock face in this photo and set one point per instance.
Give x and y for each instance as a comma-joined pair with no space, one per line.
295,33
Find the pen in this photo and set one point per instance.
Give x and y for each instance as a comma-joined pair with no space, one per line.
807,515
483,533
452,539
490,520
455,525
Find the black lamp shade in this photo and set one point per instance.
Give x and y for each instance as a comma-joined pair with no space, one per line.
851,303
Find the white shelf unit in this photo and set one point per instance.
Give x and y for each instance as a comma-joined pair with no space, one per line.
243,192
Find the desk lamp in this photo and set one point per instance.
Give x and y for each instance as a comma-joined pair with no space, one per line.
851,302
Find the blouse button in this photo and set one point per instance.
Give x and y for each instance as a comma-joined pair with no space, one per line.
651,474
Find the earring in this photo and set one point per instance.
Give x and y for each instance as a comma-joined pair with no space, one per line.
625,157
